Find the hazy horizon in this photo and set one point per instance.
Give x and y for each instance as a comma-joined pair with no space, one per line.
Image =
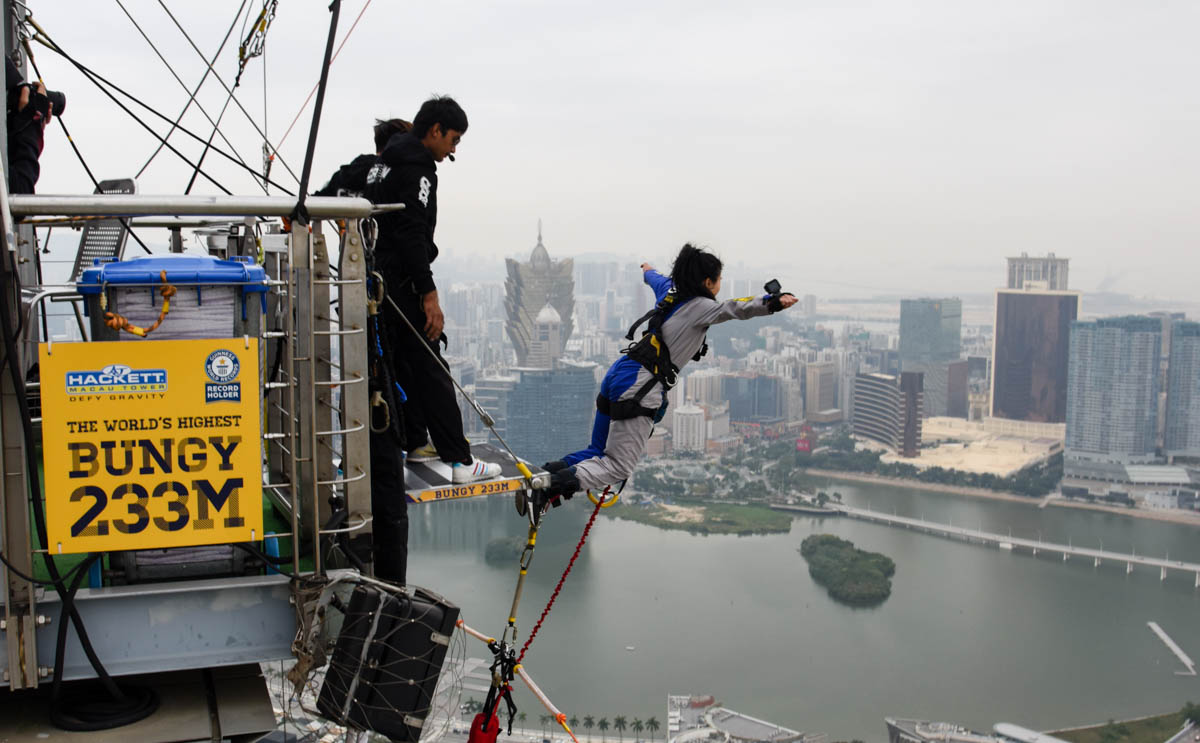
859,145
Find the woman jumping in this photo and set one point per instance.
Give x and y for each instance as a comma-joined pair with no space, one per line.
633,394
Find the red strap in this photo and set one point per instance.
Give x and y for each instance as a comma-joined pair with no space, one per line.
570,564
479,734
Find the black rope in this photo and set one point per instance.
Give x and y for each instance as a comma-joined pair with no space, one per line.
97,79
191,94
70,140
123,713
225,86
300,213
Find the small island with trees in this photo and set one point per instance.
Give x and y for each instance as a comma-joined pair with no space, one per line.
852,576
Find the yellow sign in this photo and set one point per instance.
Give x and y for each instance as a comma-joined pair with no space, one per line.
447,492
151,444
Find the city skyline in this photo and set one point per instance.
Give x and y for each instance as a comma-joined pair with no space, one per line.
891,146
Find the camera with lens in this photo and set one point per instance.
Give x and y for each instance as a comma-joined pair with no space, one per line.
57,99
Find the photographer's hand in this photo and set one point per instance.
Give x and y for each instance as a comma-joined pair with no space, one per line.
23,98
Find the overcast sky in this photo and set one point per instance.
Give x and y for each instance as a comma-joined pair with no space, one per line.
850,147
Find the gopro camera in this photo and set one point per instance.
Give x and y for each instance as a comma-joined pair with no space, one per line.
773,286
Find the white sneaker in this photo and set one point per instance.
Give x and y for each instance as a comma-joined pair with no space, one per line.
462,473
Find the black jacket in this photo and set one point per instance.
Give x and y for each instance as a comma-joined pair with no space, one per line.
406,173
25,130
350,179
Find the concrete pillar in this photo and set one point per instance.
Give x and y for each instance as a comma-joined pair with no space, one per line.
1198,579
1064,557
1097,563
1163,573
1128,568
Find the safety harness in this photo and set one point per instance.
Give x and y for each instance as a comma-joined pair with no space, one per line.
652,353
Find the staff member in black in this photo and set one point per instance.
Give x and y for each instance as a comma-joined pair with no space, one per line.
406,172
351,178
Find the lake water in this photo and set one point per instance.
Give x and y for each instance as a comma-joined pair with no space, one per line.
969,634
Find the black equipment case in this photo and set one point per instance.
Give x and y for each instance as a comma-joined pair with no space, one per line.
387,660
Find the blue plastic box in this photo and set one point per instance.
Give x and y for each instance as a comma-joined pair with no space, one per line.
215,298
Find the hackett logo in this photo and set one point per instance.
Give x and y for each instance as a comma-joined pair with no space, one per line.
116,379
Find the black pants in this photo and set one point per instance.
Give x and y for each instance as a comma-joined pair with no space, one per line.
389,509
431,404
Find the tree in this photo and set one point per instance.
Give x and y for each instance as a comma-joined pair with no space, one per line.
620,724
521,717
544,720
638,726
589,722
1191,712
653,726
573,722
822,499
603,725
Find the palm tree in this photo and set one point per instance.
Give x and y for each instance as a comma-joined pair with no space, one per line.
521,717
603,725
619,724
638,726
545,720
652,725
589,722
573,722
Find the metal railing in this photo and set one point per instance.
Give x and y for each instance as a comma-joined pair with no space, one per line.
315,426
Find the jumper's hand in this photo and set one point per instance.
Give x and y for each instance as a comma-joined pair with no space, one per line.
434,319
787,300
647,267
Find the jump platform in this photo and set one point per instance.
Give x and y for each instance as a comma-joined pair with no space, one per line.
431,481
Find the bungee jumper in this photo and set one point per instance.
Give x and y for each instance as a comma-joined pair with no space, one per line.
633,395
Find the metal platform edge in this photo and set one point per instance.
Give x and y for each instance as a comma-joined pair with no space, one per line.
172,626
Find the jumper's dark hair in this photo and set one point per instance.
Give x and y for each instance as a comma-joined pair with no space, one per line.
385,129
692,266
441,109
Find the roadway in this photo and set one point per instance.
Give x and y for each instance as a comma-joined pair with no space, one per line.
1005,541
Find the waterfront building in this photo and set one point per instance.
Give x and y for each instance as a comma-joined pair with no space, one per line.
1112,389
1181,435
930,330
1030,353
702,718
930,341
529,288
820,393
688,429
887,409
550,410
1049,272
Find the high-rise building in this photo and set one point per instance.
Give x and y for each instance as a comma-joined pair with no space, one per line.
887,409
547,342
930,330
956,389
930,340
1181,436
493,395
529,288
550,410
689,429
1030,353
820,392
704,386
1038,273
810,305
754,398
1112,389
